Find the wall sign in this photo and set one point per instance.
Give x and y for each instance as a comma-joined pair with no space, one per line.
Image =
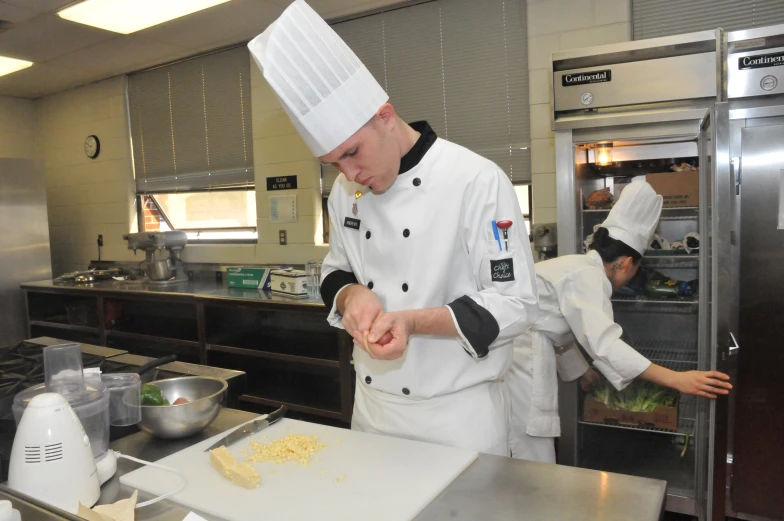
583,78
288,182
761,60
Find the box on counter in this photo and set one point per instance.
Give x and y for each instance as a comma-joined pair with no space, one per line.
661,418
248,277
292,283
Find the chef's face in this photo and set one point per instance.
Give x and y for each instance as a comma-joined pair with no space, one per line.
621,271
371,157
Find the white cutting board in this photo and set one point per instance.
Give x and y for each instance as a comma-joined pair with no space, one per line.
379,478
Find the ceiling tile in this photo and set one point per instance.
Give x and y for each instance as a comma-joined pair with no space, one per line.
224,24
48,36
41,79
120,55
42,6
337,8
12,13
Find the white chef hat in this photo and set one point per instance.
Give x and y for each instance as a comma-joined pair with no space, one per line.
323,87
634,217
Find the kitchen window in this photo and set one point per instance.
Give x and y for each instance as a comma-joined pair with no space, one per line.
223,215
192,140
525,197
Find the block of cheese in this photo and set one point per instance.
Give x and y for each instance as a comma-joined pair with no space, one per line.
239,473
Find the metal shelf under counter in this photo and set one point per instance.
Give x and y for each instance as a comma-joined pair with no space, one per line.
286,346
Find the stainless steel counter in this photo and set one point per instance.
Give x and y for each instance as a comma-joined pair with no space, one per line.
491,488
184,290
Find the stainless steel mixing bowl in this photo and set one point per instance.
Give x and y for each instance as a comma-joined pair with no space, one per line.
205,395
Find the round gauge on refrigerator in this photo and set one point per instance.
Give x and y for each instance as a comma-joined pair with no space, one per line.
586,98
769,82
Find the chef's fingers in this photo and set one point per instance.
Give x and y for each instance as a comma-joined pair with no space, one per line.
391,351
716,374
719,383
715,388
359,340
705,395
380,327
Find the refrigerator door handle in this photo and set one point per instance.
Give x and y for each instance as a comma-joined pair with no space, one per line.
735,173
734,347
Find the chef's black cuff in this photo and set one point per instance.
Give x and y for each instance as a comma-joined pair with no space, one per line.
333,283
477,326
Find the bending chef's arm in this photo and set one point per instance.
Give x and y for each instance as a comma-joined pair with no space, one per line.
504,304
585,304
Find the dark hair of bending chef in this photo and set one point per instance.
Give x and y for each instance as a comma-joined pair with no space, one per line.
575,308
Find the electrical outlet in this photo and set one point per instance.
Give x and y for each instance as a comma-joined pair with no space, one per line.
282,237
100,240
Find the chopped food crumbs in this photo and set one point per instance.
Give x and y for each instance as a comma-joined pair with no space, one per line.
294,447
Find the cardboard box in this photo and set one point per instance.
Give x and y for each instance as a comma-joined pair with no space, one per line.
661,417
292,283
678,189
248,277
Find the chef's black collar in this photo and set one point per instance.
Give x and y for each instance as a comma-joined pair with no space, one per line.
426,139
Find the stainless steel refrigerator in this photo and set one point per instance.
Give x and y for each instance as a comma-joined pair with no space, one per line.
650,108
24,242
755,89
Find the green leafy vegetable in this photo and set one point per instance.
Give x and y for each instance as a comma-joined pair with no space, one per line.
639,396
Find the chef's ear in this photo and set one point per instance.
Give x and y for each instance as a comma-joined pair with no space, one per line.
386,113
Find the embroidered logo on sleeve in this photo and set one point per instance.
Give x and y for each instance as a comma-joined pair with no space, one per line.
502,270
351,223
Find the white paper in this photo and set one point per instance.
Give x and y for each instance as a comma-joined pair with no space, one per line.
283,208
193,517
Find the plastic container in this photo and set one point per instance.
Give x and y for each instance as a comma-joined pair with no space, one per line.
63,368
124,398
8,512
91,405
313,271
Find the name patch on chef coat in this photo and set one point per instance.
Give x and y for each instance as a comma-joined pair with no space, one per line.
351,223
502,270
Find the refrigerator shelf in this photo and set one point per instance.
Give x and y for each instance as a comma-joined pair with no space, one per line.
671,261
656,305
690,212
678,356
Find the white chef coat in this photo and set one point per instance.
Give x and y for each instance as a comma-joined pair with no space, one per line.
426,242
574,306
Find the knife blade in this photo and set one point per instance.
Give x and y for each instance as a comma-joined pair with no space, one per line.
249,428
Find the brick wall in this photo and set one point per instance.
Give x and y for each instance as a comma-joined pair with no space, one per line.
152,216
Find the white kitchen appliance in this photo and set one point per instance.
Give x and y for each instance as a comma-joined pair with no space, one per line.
51,457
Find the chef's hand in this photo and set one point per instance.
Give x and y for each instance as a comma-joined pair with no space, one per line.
388,336
589,378
360,307
702,383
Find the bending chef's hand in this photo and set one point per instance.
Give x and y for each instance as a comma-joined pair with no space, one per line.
702,383
589,378
388,336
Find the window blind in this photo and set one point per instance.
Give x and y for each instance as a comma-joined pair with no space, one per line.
191,126
654,18
462,65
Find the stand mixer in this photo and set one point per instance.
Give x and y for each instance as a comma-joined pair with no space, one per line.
162,249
